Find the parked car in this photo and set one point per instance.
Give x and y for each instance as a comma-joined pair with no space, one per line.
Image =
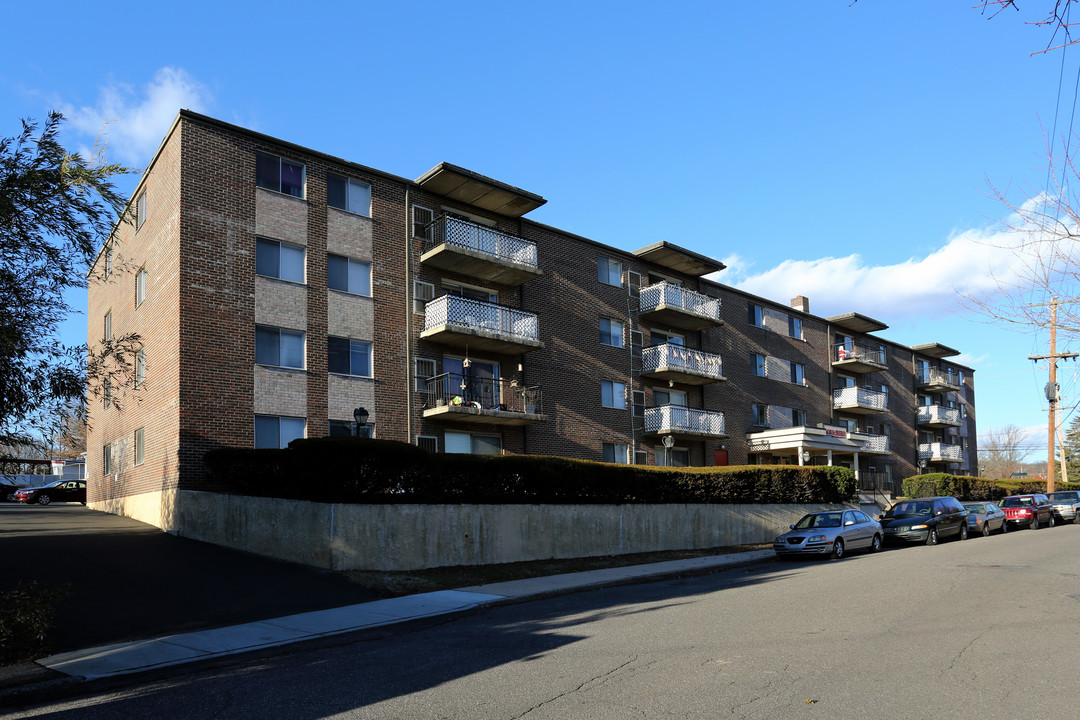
59,491
1033,511
1066,505
830,533
925,520
984,518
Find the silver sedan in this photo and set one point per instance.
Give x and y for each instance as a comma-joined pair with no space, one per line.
830,533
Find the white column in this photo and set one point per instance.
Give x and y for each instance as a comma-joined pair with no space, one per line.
800,451
856,466
829,455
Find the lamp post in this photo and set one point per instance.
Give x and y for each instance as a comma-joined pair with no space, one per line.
360,415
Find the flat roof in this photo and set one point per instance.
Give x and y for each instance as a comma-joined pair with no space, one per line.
475,189
679,259
935,350
856,322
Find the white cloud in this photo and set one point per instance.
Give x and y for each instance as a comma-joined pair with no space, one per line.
134,122
970,262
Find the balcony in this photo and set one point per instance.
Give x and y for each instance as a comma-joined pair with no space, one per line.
936,380
480,326
475,400
872,444
683,422
682,365
940,453
480,252
675,306
858,358
861,401
938,416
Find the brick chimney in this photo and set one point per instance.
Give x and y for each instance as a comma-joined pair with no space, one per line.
801,303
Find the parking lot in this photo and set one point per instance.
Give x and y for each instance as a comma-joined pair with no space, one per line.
129,580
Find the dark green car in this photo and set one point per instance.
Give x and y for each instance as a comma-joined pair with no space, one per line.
925,520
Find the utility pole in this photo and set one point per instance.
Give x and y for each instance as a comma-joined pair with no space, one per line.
1052,388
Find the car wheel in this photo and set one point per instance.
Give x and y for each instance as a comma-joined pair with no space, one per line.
875,544
931,536
838,548
44,499
1004,527
1034,524
963,531
1051,523
986,529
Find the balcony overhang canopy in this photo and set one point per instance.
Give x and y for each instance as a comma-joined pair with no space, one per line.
482,192
679,259
808,438
857,323
935,350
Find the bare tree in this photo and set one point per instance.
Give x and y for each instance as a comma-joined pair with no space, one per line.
1002,451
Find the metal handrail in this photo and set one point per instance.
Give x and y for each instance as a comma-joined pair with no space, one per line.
938,376
953,453
938,414
669,356
860,397
481,393
681,418
858,351
479,238
667,294
480,315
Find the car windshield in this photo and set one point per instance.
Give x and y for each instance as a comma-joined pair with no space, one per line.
820,520
911,508
1016,502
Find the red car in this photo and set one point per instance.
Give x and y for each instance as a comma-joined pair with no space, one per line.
1032,511
58,491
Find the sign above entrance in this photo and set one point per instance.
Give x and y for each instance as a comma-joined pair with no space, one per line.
835,431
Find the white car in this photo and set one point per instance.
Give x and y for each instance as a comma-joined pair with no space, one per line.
831,533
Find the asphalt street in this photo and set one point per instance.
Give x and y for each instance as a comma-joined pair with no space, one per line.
983,628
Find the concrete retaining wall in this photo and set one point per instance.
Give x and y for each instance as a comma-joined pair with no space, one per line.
409,537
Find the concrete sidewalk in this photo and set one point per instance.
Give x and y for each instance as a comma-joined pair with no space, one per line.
134,657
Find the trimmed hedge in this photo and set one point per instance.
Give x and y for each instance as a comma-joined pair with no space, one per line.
361,470
966,487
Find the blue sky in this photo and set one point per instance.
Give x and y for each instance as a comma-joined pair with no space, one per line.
840,151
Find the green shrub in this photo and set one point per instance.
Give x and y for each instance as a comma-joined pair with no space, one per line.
26,615
360,470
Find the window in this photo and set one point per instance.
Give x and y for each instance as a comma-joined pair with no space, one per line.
614,453
348,275
469,291
349,195
140,287
659,337
609,271
757,364
278,174
611,332
613,394
277,432
638,398
633,279
756,316
140,368
798,418
422,219
884,389
140,446
282,348
963,411
107,328
341,428
423,369
348,357
673,457
140,211
106,392
637,339
761,415
427,442
794,325
106,459
279,260
455,442
641,457
422,293
797,373
669,397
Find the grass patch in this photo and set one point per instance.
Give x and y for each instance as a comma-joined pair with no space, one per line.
409,582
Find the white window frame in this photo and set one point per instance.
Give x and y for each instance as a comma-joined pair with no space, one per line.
281,332
433,440
637,398
617,451
106,459
613,394
759,362
140,211
795,327
282,250
798,373
280,445
758,319
604,271
420,299
350,186
421,377
421,223
364,345
107,325
363,268
449,287
140,446
611,337
266,186
472,441
140,286
674,397
140,368
759,411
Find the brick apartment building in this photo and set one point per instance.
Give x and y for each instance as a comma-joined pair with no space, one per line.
278,290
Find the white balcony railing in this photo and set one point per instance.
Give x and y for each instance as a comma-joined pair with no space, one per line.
938,414
859,397
875,443
941,451
665,295
455,311
668,356
478,238
678,418
857,351
937,376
